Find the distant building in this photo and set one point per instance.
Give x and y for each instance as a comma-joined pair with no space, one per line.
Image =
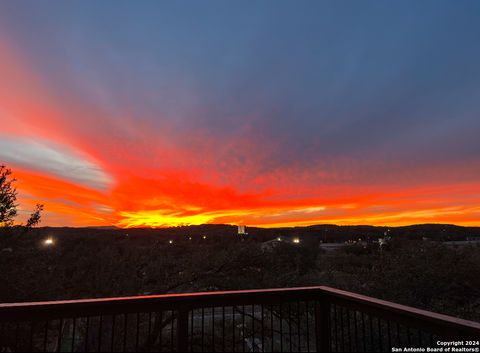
384,241
270,245
331,246
242,231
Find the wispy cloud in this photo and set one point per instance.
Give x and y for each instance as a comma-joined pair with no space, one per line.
54,159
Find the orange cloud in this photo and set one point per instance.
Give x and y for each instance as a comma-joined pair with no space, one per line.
158,176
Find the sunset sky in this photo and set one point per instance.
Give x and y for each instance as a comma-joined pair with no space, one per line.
265,113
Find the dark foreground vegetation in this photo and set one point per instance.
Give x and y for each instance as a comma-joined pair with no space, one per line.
415,267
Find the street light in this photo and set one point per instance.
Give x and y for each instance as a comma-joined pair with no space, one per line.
48,242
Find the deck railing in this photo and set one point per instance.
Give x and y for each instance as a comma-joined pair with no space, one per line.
293,320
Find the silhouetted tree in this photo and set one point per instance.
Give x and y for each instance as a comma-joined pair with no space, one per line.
8,201
8,197
35,217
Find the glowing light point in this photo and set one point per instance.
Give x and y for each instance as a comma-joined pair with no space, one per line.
48,242
296,240
170,242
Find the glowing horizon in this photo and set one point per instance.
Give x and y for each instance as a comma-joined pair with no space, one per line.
148,115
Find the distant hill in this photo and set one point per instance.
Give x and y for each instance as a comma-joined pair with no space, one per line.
325,232
102,227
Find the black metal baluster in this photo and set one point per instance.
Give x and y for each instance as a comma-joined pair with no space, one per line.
281,327
86,333
272,328
364,336
253,328
161,331
223,328
17,328
73,333
149,339
203,329
213,329
32,332
2,331
380,343
298,328
290,325
348,330
233,328
398,335
243,328
371,333
389,337
191,330
171,331
125,332
355,328
137,332
336,326
263,329
45,338
342,329
59,338
112,343
307,326
100,334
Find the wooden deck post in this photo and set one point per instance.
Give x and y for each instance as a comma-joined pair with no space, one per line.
322,325
182,330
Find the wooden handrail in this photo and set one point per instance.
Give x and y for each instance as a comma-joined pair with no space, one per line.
418,318
69,308
440,324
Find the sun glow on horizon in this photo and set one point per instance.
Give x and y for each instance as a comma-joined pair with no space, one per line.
257,218
159,219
